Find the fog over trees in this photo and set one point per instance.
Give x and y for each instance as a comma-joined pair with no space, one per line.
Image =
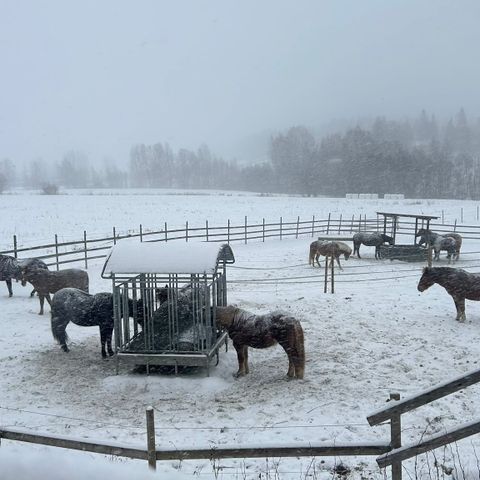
418,157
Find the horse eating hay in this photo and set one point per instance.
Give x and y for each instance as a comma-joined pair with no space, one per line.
262,331
373,239
458,283
451,242
328,249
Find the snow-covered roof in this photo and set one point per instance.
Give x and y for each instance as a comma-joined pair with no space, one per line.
163,257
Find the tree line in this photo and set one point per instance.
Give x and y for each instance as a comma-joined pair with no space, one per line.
419,158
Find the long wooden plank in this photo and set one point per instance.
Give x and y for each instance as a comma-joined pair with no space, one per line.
274,451
425,397
436,441
73,444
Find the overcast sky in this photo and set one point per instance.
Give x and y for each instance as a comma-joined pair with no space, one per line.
99,76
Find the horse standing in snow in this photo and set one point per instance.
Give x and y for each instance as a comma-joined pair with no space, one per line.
75,305
262,331
373,239
46,282
328,249
11,268
451,242
458,283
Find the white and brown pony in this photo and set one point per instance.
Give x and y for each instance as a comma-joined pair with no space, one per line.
328,249
262,331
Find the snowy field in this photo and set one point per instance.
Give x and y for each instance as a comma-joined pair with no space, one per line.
377,334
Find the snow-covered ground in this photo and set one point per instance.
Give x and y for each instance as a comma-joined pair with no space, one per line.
377,334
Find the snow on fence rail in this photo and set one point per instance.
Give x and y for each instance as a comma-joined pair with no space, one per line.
58,253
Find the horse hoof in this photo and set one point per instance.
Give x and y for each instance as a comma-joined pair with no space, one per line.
65,349
111,353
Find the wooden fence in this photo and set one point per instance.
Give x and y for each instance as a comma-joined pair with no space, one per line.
59,253
389,453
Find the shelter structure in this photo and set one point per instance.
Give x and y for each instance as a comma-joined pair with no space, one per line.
165,297
406,252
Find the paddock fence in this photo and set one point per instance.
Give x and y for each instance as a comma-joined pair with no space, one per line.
59,253
389,453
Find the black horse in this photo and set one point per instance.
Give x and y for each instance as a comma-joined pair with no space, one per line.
11,269
373,239
458,283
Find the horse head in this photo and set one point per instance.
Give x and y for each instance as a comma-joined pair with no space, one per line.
388,239
426,280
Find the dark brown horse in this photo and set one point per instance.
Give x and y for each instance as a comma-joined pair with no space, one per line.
261,331
458,283
328,249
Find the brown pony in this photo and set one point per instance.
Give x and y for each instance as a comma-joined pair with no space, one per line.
328,249
261,331
458,283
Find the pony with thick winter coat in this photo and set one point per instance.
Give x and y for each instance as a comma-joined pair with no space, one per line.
46,282
262,331
11,269
458,283
328,249
373,239
451,242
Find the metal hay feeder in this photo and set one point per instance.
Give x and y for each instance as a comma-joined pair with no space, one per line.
165,297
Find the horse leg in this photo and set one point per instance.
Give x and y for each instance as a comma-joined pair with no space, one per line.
460,305
8,281
241,359
245,356
317,256
32,293
106,339
337,258
358,251
41,297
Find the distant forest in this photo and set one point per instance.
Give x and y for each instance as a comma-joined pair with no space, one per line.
416,157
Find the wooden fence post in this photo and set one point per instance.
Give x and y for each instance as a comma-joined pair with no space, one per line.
151,450
263,229
478,212
206,229
281,224
396,438
340,224
429,255
351,225
228,232
56,251
166,232
298,225
15,253
325,283
186,231
328,223
313,225
461,214
246,235
332,266
141,233
455,226
114,236
443,219
85,248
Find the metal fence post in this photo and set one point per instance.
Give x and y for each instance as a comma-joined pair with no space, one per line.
85,248
151,450
228,232
325,285
56,251
332,266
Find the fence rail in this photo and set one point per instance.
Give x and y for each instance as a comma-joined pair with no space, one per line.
58,253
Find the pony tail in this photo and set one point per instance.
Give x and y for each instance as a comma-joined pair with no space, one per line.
299,357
